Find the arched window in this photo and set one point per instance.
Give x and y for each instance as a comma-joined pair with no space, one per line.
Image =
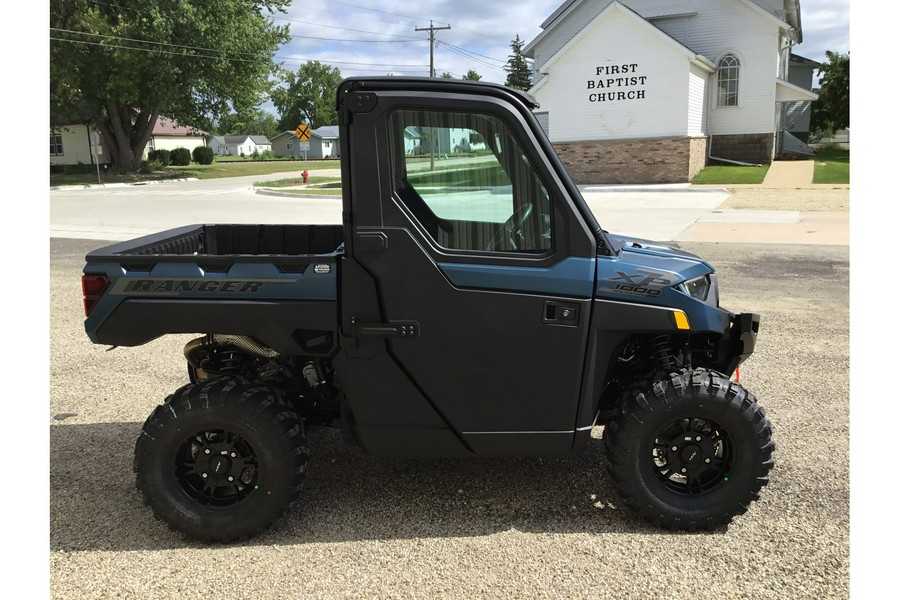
729,73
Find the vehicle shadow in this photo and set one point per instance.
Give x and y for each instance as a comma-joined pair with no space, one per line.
348,496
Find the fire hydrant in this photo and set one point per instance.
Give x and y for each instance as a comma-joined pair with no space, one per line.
305,176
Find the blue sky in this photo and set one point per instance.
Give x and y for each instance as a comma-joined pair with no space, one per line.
380,37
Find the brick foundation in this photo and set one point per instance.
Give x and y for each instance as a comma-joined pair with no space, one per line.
653,160
745,147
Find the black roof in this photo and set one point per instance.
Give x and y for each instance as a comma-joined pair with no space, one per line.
435,84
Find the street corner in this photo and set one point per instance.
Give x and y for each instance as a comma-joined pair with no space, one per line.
770,227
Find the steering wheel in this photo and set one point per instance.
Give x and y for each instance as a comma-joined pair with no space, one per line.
511,230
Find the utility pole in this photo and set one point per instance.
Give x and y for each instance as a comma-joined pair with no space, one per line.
431,31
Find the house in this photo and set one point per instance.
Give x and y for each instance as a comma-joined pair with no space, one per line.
168,135
324,142
239,145
644,91
416,140
71,145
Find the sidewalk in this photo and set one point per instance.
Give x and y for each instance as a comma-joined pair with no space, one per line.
784,179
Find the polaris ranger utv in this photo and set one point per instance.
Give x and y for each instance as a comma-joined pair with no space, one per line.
469,305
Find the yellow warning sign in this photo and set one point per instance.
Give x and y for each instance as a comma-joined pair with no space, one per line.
302,132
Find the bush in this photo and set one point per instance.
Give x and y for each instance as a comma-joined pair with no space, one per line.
181,157
266,155
150,166
203,155
163,157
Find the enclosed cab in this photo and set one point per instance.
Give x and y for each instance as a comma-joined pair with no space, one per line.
474,307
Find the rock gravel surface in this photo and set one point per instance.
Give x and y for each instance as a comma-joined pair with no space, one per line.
482,528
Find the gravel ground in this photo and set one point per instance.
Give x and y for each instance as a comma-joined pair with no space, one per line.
483,528
813,199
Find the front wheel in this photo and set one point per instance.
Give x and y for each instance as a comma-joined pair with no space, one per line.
221,460
691,452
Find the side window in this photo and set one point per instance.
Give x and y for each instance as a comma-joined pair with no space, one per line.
56,148
468,183
729,77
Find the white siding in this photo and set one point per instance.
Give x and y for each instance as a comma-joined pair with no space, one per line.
718,27
697,82
170,142
76,146
543,119
659,100
796,118
722,26
565,29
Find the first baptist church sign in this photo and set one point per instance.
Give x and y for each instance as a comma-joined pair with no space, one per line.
610,88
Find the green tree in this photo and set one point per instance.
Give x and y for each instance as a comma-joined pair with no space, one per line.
308,95
446,75
254,122
119,65
518,73
472,75
832,110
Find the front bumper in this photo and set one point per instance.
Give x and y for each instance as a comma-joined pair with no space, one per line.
740,340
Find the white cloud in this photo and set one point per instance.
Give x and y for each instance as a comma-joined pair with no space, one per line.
480,33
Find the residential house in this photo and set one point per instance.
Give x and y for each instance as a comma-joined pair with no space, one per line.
642,91
239,145
71,145
168,135
324,142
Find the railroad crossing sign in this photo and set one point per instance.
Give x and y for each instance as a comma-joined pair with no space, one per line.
302,132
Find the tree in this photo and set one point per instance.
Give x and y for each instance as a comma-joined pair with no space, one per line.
119,65
446,75
472,75
308,95
518,73
832,110
254,122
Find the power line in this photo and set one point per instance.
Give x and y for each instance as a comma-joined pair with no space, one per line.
431,31
409,37
376,10
161,51
503,62
471,58
310,37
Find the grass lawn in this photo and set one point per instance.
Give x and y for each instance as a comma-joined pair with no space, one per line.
832,166
295,181
216,170
722,175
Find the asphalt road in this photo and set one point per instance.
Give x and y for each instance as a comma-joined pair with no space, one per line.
481,528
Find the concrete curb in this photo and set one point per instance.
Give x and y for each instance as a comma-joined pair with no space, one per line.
655,188
583,188
265,192
57,188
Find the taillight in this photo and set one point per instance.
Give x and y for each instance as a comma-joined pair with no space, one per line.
92,287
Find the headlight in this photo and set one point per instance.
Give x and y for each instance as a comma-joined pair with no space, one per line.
702,288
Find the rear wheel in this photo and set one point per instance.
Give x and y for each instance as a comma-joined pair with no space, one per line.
221,460
691,452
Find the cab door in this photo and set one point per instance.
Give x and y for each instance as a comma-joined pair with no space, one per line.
483,274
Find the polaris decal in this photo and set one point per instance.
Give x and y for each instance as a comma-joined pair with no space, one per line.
643,283
177,287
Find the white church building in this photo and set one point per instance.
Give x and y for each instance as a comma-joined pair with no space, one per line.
650,91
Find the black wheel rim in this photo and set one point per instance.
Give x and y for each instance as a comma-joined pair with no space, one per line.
692,456
216,468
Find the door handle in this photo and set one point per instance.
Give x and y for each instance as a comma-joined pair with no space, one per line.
560,313
399,329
